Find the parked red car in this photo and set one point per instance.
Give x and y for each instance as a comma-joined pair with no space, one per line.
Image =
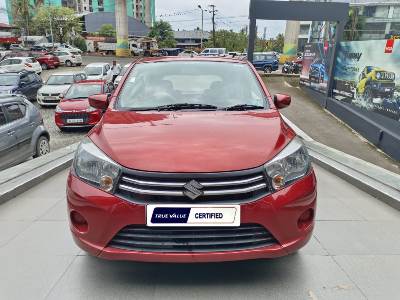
191,162
48,61
74,109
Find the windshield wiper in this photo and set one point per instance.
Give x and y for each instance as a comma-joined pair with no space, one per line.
244,107
179,106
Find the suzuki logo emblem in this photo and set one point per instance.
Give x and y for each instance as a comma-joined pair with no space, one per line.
192,189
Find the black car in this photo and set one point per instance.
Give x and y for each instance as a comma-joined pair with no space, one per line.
26,83
22,133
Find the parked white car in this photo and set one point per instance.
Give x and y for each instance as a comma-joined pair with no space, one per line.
213,52
188,53
57,84
68,58
98,71
18,64
121,74
67,47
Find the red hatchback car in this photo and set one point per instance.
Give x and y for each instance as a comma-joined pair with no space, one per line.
74,109
48,61
191,162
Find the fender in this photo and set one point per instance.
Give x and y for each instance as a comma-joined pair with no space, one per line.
39,131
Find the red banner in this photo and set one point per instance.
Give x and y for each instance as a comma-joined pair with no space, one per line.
389,46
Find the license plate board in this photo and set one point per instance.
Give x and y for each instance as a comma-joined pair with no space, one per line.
50,98
74,121
162,215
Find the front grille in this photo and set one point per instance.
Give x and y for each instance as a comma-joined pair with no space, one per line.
192,239
72,116
51,95
231,187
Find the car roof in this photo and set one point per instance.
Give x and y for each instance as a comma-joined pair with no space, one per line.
4,99
187,58
98,64
68,73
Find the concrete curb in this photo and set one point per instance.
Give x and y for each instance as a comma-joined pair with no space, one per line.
21,178
374,180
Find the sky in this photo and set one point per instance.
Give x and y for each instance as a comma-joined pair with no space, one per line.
231,14
185,15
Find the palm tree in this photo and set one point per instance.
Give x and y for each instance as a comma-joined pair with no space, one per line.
21,11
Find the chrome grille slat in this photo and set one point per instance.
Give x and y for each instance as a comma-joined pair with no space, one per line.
181,184
206,193
230,187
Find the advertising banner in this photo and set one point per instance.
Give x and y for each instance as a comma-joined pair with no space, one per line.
367,75
316,58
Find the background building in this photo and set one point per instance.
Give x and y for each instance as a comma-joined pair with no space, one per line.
190,38
379,18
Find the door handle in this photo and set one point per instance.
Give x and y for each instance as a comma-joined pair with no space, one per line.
32,124
11,132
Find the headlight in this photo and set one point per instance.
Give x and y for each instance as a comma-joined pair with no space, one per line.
94,167
378,75
58,109
90,109
292,163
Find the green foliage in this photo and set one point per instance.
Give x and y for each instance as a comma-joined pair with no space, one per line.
22,13
276,44
354,25
107,30
162,31
63,20
232,41
80,43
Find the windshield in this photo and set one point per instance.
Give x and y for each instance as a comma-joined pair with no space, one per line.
211,83
79,91
9,80
94,71
60,79
123,71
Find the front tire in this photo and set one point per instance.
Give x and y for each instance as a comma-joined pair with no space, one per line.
42,146
44,66
68,63
267,69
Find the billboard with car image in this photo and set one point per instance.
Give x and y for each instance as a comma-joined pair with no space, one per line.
316,58
367,75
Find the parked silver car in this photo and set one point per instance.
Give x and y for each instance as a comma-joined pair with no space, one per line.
22,133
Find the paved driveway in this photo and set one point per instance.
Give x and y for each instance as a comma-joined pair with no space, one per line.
354,254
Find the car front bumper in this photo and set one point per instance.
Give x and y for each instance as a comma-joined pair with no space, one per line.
107,214
90,119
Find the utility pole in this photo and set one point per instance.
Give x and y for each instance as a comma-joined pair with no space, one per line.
121,22
213,11
51,28
202,26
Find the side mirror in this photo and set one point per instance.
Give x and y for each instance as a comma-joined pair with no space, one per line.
99,101
282,100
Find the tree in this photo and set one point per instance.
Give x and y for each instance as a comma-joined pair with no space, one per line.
162,31
107,30
22,12
232,41
354,25
64,23
276,44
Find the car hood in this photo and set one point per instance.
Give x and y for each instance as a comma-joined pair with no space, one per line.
74,104
54,89
191,141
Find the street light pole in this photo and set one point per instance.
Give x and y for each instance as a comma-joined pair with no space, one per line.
202,26
51,28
